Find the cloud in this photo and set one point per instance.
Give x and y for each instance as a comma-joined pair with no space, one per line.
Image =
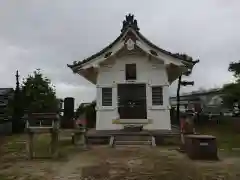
50,34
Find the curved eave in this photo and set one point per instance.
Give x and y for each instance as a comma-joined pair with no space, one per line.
104,50
142,38
190,64
160,49
72,67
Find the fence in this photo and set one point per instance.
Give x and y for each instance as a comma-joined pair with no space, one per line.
205,120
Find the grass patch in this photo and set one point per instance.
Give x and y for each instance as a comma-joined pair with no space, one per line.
14,177
14,147
226,137
4,177
172,141
229,153
41,145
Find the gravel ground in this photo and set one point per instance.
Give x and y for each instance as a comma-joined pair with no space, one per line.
102,162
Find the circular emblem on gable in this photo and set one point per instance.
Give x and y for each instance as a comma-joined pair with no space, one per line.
130,44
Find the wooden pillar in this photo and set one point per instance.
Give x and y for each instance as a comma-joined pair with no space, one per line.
30,145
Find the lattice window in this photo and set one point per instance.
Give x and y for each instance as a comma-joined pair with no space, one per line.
157,95
106,96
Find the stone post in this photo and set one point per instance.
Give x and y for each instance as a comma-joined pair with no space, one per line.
30,145
79,138
54,143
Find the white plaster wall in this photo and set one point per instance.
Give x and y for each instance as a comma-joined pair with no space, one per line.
151,72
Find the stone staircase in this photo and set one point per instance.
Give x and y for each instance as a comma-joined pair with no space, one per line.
132,139
98,140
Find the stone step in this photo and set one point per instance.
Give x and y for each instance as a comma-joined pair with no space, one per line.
98,140
132,138
133,128
133,143
128,140
132,146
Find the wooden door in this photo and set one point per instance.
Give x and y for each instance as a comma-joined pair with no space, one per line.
132,101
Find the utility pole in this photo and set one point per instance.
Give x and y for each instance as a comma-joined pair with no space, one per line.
181,83
184,83
178,98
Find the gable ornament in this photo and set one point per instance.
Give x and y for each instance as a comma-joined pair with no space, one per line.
130,44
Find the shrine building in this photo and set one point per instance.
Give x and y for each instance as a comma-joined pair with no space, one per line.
132,77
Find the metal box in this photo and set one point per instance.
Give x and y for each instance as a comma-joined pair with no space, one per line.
201,147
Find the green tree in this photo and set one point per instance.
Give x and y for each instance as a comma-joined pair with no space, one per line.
16,108
91,115
231,91
38,93
80,110
234,67
231,94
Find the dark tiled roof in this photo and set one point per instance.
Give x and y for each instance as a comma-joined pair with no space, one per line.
131,23
175,55
5,91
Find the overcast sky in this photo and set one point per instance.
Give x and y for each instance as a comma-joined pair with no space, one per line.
51,34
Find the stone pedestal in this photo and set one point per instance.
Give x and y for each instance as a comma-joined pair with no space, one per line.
79,138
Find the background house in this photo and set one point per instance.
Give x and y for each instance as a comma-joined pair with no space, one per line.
206,101
6,94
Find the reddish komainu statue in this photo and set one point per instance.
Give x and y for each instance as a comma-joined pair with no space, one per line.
187,126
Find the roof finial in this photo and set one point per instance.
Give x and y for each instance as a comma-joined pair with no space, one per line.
130,22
